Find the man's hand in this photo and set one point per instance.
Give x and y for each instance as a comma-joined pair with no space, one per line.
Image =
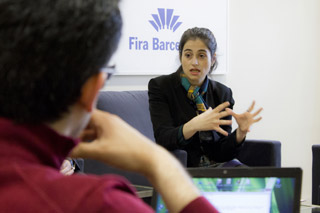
116,143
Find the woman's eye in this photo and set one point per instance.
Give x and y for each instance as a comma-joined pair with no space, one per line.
202,55
187,55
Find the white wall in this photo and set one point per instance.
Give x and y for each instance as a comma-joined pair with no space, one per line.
274,58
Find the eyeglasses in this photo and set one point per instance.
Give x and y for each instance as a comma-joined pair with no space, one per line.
109,70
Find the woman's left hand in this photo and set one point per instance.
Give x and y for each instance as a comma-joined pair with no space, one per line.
245,120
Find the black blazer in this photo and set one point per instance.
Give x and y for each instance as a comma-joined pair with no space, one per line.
170,108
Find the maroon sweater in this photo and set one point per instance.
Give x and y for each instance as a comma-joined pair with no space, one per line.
30,181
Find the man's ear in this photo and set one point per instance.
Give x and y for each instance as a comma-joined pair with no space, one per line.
90,90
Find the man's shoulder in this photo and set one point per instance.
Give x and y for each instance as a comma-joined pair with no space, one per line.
93,193
44,188
107,193
88,182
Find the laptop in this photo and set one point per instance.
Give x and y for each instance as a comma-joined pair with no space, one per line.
251,189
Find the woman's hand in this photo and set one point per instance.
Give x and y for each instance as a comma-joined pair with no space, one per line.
209,120
245,120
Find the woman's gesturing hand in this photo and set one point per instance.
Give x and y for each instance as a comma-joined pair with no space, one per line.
245,120
209,120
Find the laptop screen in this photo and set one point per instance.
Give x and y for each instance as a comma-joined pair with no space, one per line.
247,190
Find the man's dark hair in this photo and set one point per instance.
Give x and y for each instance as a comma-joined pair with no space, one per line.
48,49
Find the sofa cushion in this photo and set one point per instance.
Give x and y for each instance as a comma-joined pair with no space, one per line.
131,106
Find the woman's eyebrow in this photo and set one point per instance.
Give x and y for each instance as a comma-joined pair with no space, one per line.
202,50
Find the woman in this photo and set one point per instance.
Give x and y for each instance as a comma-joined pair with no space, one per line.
189,111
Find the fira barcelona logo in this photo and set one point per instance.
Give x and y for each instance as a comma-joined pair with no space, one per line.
165,20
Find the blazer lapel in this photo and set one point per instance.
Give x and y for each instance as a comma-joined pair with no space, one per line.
186,104
210,97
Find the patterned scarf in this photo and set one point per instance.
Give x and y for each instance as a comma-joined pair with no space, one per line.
196,93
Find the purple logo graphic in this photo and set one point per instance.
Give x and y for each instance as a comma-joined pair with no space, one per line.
165,18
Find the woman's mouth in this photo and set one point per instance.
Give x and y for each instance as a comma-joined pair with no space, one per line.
194,71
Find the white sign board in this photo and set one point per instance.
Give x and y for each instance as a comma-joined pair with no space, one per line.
152,30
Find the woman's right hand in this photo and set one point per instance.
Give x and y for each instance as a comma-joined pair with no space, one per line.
208,120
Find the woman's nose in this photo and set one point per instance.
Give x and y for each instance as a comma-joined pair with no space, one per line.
195,61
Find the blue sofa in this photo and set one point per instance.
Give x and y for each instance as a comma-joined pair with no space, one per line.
133,107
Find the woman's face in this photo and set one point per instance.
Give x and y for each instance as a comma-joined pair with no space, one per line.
196,61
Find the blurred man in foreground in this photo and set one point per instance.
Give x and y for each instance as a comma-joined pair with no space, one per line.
52,54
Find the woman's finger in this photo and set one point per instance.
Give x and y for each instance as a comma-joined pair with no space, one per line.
222,131
221,107
257,112
225,113
225,122
251,107
257,120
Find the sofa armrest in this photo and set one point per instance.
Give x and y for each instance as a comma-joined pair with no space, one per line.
181,155
261,153
316,174
99,168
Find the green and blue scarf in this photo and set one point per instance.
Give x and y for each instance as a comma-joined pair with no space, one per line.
196,93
